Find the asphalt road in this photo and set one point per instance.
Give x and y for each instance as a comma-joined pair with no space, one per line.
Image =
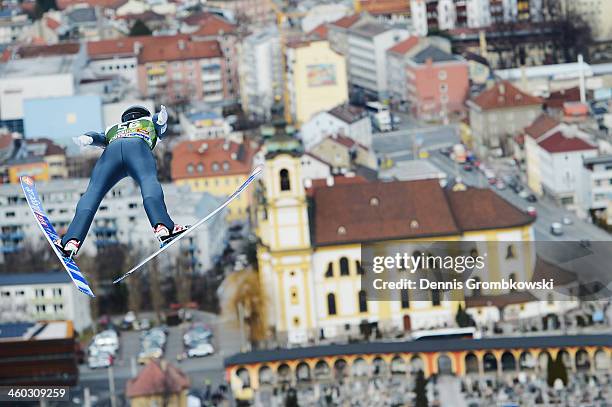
547,211
226,341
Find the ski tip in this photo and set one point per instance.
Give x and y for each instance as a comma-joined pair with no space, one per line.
257,170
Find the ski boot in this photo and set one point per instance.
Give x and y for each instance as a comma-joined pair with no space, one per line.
70,249
162,233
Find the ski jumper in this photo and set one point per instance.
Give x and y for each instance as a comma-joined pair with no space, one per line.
128,152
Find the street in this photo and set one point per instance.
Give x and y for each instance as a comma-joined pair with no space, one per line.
399,145
226,341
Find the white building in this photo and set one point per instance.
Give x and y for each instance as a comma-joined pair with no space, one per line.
42,77
13,27
260,71
323,13
418,11
111,112
120,219
347,120
204,125
367,63
30,297
597,182
478,13
554,162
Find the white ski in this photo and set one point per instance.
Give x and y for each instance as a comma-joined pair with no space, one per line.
193,227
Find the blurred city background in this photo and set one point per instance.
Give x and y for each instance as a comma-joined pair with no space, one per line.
484,121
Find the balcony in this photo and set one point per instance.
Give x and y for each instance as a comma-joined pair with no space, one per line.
12,235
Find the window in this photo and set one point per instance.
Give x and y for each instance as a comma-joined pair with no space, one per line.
510,252
442,75
512,276
550,298
331,304
435,297
358,267
41,308
215,167
443,87
225,166
294,295
344,267
200,167
284,180
58,307
39,292
10,214
405,299
190,168
133,205
330,270
6,293
363,303
476,289
57,292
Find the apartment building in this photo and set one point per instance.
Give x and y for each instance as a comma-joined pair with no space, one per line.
260,72
368,43
120,219
316,79
43,296
181,71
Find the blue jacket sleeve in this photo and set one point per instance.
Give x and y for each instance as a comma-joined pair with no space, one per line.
98,138
160,130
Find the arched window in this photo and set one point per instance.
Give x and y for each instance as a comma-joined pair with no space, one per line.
435,297
215,166
344,266
285,185
358,267
405,299
330,270
363,303
331,304
510,252
200,167
190,168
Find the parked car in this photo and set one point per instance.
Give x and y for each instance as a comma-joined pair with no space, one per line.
501,185
100,359
531,211
468,167
567,221
201,349
556,229
523,194
532,198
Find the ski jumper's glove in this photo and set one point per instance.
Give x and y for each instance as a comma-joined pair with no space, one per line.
160,120
91,138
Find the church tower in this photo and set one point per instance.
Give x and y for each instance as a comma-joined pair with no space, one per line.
284,251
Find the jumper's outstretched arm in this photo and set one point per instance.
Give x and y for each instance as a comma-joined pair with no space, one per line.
91,138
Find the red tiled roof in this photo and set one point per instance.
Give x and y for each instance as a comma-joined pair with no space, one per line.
239,157
347,21
180,51
345,141
213,25
51,147
560,143
319,32
542,124
557,98
33,51
125,46
157,377
504,94
63,4
384,7
403,47
481,209
338,180
52,23
379,211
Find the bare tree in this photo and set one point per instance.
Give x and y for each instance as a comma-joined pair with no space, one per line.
157,297
183,277
33,257
242,295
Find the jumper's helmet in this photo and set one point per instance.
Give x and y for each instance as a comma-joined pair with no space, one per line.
135,112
